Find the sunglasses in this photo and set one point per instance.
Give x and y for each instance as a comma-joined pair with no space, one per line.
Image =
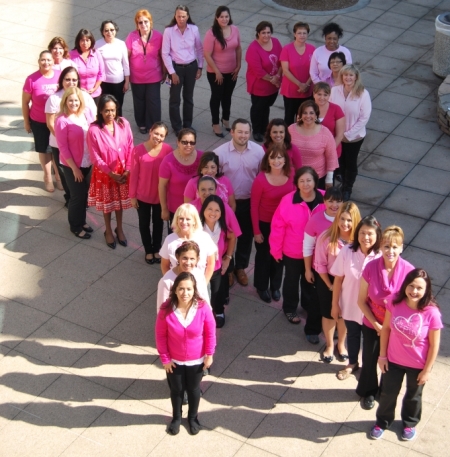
185,143
109,30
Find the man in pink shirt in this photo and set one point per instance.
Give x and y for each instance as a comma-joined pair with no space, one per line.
182,54
240,160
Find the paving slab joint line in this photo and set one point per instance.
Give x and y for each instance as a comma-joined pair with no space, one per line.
361,4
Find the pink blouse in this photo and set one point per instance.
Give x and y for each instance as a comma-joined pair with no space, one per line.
225,59
90,71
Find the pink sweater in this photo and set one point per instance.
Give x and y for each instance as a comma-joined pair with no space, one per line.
198,339
144,174
106,150
265,198
225,59
288,225
318,151
259,64
90,71
295,156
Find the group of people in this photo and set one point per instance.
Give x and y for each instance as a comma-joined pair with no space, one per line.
290,196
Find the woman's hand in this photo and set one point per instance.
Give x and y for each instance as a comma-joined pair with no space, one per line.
309,276
235,73
77,174
275,80
124,177
27,126
377,327
259,238
175,78
199,74
169,367
126,86
90,91
303,87
207,362
134,203
165,215
384,365
115,176
219,78
225,264
336,312
423,377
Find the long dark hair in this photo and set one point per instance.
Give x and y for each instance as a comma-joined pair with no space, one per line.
219,201
104,99
63,75
217,29
181,8
84,33
427,298
206,157
277,122
368,221
173,299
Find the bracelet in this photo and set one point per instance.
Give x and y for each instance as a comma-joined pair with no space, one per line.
228,256
382,358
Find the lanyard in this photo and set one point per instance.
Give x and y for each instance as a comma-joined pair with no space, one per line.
144,48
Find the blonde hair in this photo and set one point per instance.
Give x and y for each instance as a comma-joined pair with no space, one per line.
143,13
71,91
393,234
186,209
334,231
358,88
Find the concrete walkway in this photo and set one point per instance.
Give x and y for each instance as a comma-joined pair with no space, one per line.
79,374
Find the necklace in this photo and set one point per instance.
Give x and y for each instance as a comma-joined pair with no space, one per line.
183,158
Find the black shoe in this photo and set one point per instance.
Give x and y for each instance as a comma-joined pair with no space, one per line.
174,427
88,228
194,426
368,402
264,295
157,260
121,242
149,261
85,236
313,339
110,245
228,129
220,321
346,195
276,295
258,137
143,131
327,358
220,135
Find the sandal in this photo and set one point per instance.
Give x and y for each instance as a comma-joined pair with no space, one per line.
291,316
59,185
49,186
344,374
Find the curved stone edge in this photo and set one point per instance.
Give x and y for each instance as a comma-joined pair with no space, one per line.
361,4
443,106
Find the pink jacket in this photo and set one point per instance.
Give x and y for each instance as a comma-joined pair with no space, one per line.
70,138
107,150
173,341
288,226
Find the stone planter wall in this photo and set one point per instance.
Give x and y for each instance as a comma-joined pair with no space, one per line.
443,106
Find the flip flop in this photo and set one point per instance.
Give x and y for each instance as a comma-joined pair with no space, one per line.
344,374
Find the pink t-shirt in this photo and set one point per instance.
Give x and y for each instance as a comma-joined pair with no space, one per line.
325,255
334,113
144,174
224,188
295,156
259,64
265,198
299,67
315,227
225,59
146,68
382,289
408,341
318,151
90,71
178,176
40,89
350,265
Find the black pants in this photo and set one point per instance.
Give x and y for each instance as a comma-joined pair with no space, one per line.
267,270
185,378
55,152
324,295
78,197
291,106
150,212
217,291
146,104
220,95
186,85
368,380
115,89
412,401
348,164
293,274
353,340
260,111
244,242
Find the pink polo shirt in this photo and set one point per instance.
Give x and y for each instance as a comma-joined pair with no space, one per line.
334,113
145,69
144,174
382,289
299,67
90,71
225,59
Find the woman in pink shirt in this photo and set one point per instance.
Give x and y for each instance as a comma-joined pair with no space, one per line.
277,134
315,142
60,53
71,128
37,89
328,246
110,143
144,175
146,70
357,106
295,61
263,77
381,279
89,63
223,54
347,271
409,345
186,340
335,63
270,186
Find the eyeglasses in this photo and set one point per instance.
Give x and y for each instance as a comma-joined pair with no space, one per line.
185,143
109,30
333,62
143,22
74,80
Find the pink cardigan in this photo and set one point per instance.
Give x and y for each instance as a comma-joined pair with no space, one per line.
288,226
173,341
70,138
107,150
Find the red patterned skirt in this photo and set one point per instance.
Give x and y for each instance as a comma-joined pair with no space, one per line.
106,194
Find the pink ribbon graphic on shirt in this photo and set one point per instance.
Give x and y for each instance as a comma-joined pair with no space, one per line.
410,328
274,61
